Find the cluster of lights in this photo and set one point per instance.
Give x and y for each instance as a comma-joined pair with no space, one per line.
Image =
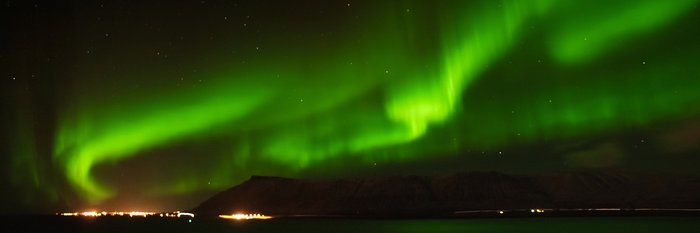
502,211
245,216
176,214
114,213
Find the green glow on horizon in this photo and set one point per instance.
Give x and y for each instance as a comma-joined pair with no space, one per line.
394,93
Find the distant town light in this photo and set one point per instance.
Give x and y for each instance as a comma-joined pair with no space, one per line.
244,216
180,214
130,214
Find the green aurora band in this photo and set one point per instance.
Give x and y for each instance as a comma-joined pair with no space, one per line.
407,81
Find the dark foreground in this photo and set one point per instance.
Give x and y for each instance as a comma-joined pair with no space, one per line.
533,224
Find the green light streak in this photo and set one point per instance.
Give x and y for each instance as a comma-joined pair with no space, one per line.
586,38
90,144
28,173
582,106
396,93
469,46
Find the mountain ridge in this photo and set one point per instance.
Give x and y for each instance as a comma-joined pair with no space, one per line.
446,194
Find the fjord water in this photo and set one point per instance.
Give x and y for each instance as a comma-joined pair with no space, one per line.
560,224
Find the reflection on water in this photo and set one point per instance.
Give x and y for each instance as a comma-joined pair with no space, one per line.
560,224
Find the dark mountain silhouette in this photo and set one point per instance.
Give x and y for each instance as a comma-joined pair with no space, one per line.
443,195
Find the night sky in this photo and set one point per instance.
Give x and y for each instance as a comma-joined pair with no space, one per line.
155,105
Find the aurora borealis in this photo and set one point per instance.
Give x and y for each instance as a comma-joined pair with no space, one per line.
124,103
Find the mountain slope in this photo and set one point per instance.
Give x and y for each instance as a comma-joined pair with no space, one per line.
442,195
